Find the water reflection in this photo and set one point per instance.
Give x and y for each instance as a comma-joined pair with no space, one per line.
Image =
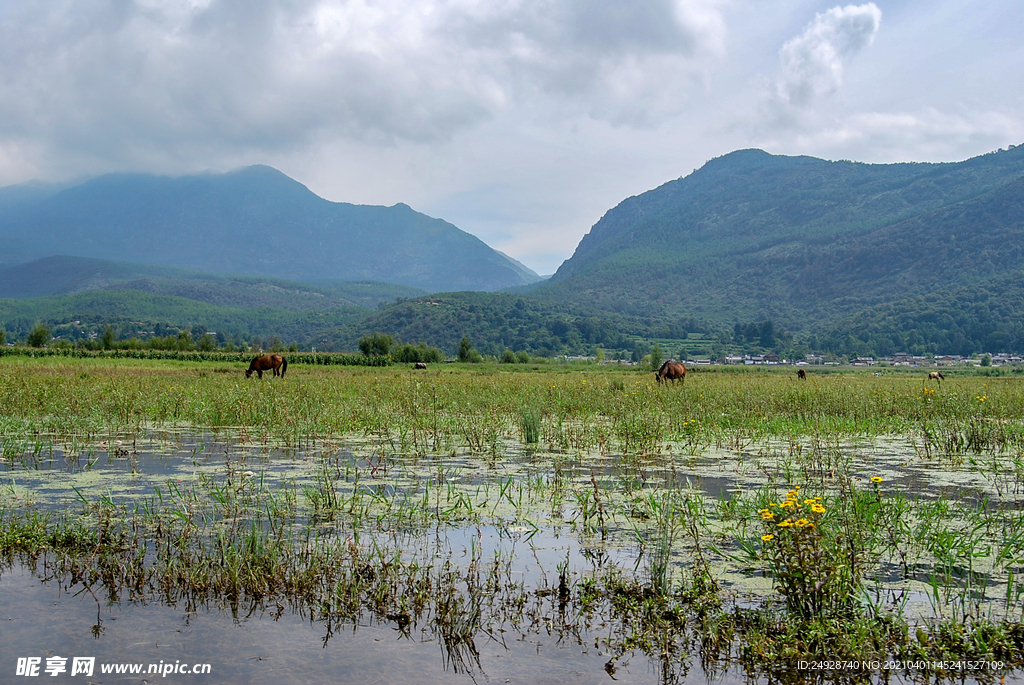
535,516
272,645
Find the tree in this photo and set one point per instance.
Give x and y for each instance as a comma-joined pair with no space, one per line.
376,344
185,340
207,343
986,360
108,339
467,353
409,353
39,336
656,356
3,337
465,347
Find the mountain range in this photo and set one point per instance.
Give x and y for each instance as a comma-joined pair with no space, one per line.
752,249
254,221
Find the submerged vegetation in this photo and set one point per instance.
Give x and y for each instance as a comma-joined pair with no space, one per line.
742,521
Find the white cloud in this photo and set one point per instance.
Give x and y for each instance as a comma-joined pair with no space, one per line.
128,83
925,135
522,121
812,64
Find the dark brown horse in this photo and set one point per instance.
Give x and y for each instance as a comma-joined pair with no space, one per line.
670,371
935,376
801,374
266,363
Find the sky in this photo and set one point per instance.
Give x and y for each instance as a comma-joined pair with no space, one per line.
519,121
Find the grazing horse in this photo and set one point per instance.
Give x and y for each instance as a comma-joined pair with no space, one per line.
419,365
801,374
670,371
266,363
935,376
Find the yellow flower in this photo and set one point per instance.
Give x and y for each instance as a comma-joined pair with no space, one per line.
800,523
767,538
876,479
818,509
808,501
786,524
767,516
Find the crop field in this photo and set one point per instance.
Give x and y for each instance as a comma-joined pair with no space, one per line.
529,524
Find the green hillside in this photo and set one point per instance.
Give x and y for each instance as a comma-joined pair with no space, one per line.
136,313
809,243
497,321
960,319
77,297
69,275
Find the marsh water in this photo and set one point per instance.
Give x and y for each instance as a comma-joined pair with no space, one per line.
523,511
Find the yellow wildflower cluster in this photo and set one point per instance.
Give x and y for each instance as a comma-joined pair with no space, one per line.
981,398
795,510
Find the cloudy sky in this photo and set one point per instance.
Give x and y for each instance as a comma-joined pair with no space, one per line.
520,121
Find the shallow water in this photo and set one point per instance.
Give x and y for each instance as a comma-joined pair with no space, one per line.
44,619
40,618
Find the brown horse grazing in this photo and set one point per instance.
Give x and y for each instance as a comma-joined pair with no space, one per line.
266,363
670,371
419,365
801,374
935,376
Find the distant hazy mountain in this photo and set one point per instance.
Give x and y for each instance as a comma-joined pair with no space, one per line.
800,240
251,221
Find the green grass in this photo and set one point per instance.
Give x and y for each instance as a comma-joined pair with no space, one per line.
600,458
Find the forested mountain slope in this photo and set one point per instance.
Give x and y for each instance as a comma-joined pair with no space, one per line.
800,240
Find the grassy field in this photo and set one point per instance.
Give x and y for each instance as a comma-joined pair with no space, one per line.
742,519
579,407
